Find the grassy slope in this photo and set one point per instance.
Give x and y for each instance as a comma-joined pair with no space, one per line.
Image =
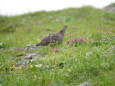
73,64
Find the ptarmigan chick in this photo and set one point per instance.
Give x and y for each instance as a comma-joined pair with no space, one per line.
55,38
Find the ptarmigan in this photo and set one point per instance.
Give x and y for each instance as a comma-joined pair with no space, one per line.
55,38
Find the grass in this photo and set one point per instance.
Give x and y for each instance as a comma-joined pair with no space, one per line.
73,64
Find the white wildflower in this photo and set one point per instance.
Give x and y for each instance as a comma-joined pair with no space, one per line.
104,64
33,60
38,66
47,66
89,53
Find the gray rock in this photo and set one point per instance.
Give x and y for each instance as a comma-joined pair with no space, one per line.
31,47
26,58
22,63
30,55
109,8
1,49
85,83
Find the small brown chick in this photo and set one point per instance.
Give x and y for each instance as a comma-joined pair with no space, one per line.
53,38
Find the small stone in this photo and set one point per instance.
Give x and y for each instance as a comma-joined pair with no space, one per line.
85,83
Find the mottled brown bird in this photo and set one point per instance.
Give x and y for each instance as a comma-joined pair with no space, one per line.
55,38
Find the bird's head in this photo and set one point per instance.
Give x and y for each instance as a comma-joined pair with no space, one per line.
65,27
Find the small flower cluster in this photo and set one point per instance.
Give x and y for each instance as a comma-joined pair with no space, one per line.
55,49
29,28
75,28
37,66
43,30
38,40
14,67
79,40
99,28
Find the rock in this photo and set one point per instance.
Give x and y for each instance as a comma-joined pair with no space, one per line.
110,8
85,83
22,63
30,47
1,49
30,55
26,58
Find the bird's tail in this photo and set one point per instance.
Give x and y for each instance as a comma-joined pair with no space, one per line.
38,44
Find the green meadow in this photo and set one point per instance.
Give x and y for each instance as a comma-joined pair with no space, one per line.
64,64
